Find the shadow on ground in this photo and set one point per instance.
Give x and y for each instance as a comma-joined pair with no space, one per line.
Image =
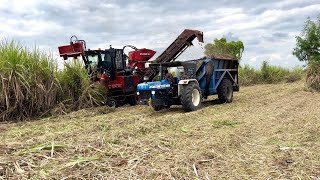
177,109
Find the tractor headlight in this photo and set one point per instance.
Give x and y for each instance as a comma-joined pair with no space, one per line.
153,92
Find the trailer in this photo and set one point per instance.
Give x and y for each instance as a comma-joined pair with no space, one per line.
198,79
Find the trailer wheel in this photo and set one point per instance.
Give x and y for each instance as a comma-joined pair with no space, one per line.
191,97
225,91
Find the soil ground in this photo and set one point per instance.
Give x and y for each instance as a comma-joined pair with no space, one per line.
269,131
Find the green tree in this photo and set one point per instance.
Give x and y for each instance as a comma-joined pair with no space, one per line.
221,46
308,44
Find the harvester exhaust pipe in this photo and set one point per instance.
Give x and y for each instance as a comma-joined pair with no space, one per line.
130,46
74,39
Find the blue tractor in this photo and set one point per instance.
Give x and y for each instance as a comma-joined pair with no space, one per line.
194,81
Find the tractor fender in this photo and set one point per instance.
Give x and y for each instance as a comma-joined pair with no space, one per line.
184,82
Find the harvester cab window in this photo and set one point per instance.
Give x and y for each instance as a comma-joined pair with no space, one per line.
106,61
93,59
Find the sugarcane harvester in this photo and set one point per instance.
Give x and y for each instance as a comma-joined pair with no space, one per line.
121,73
110,68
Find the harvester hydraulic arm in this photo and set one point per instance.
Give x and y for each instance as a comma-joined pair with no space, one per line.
183,41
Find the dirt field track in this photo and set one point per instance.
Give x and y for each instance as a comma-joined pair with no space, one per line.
269,131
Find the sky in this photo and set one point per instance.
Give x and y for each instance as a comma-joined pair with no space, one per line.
266,27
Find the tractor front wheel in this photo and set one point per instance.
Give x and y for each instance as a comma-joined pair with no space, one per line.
191,97
155,107
225,91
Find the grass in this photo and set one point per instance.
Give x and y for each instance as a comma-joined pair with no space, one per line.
32,86
28,86
80,160
78,89
268,74
313,76
219,124
40,148
270,131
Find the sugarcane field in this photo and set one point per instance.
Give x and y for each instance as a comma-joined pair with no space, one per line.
159,89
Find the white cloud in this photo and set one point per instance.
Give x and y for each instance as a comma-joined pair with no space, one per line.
267,28
253,59
274,57
38,27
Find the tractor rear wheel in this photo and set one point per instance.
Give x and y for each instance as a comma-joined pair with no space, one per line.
191,97
225,91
